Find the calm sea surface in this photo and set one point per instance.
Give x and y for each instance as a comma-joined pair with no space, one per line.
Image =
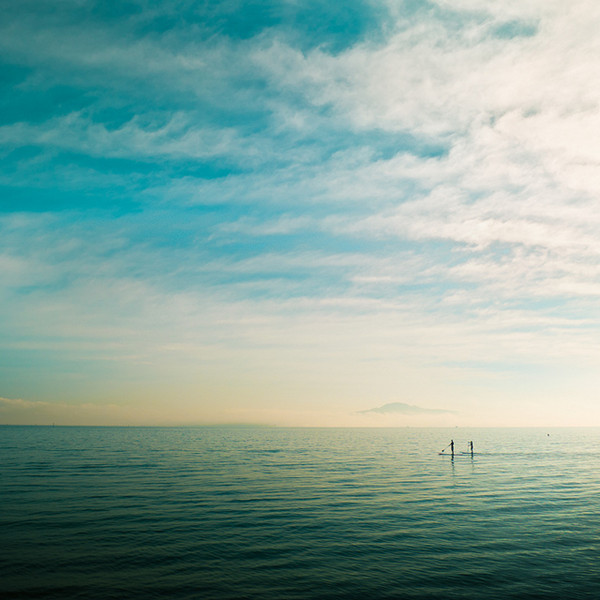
273,513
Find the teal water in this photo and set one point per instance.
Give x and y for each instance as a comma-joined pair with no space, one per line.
274,513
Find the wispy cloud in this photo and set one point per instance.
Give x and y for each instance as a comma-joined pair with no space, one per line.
36,412
262,202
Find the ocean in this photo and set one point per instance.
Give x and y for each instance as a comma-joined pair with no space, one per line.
285,513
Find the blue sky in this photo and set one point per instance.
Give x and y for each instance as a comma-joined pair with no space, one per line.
293,212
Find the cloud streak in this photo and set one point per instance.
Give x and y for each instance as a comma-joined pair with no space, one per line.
246,204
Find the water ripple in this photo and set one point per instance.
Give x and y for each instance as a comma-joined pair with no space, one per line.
298,513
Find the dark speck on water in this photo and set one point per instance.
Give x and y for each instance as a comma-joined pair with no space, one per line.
231,513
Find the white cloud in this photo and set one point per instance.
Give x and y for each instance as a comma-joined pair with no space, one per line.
475,237
176,138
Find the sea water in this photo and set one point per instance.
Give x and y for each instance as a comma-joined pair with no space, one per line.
275,513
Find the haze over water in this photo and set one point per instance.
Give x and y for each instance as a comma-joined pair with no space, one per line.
298,513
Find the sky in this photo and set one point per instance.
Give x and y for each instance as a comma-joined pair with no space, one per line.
298,212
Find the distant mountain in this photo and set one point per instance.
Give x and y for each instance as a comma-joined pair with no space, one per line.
406,409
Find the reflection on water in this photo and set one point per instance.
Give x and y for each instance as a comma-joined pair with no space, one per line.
299,513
